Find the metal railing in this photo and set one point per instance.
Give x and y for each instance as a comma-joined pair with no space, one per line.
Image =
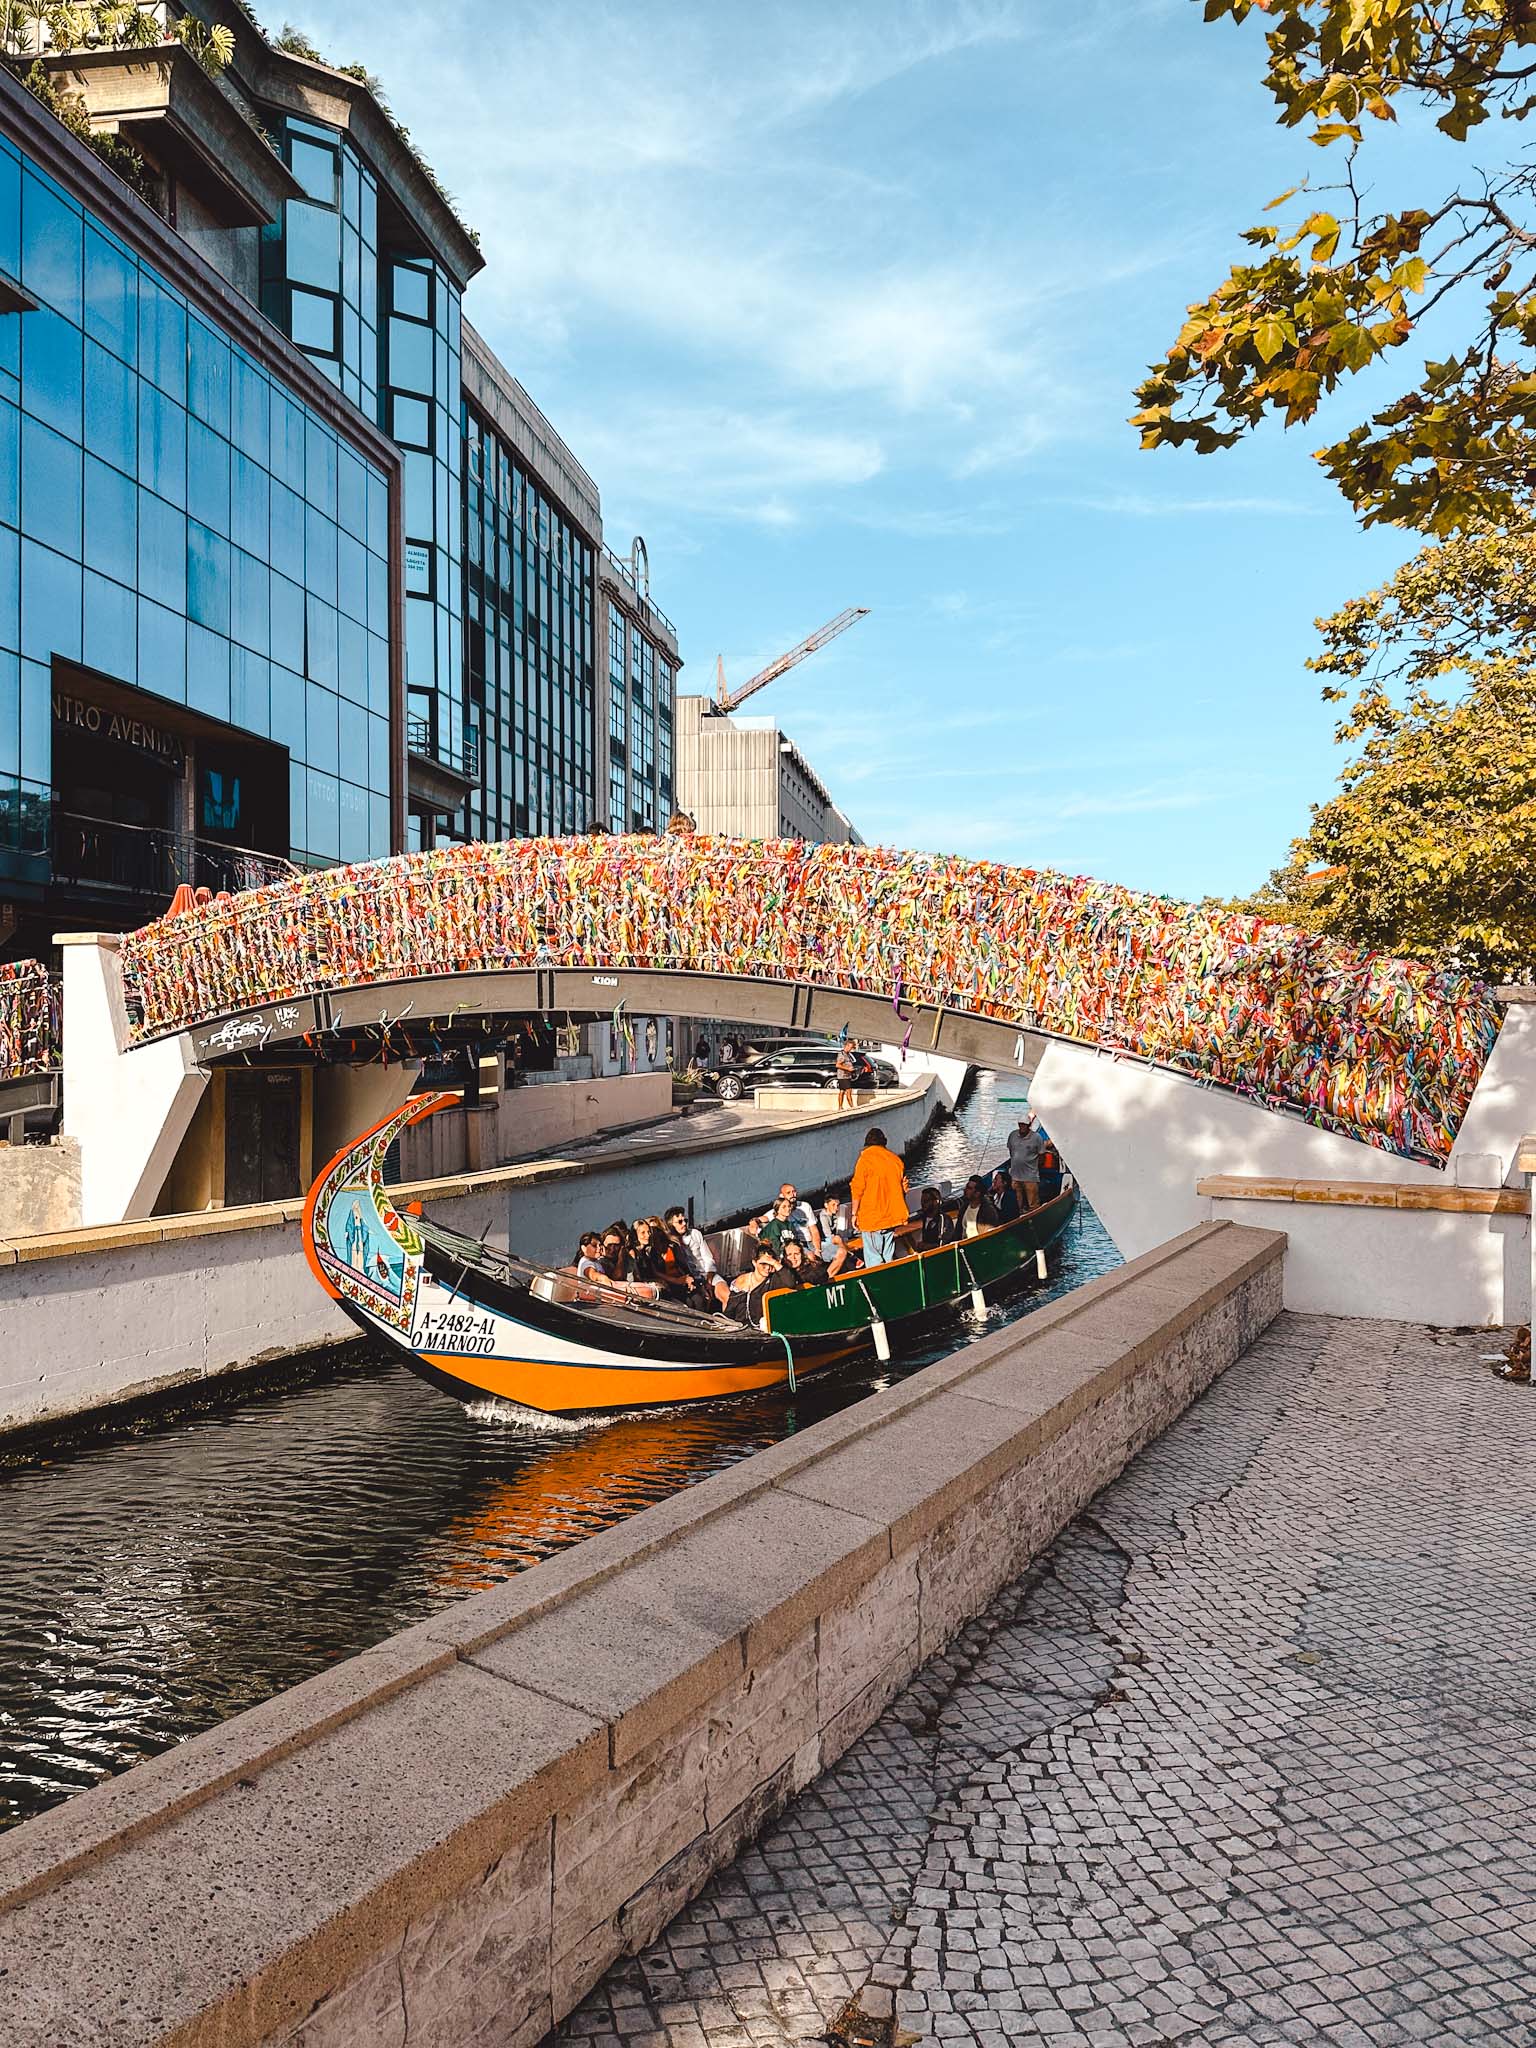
626,575
154,860
421,740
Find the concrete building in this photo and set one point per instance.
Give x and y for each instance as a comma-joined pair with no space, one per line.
744,777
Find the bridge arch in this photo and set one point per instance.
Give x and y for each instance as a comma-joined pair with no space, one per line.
991,963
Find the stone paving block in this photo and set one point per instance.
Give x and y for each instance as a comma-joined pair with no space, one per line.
1119,1770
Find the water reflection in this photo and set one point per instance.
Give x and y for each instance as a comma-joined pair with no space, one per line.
156,1583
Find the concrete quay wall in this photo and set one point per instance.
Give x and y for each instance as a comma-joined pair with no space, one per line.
448,1839
91,1319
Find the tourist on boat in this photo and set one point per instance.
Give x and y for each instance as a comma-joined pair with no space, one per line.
801,1268
589,1257
692,1245
879,1198
830,1243
777,1227
618,1258
744,1300
976,1211
1004,1199
1050,1170
657,1258
1024,1149
931,1220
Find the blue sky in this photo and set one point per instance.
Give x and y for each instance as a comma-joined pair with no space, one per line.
844,304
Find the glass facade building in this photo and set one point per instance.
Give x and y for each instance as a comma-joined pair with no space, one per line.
529,625
188,551
422,409
642,685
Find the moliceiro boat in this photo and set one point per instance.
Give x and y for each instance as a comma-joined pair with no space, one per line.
485,1325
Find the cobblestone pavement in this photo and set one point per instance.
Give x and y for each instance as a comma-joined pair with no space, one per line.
1247,1758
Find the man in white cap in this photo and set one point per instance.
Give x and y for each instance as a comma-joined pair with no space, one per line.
1024,1147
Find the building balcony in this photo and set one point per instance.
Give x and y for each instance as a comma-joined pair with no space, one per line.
433,782
164,102
102,856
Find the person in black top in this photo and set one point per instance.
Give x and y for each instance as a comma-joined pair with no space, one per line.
800,1268
931,1220
1004,1200
618,1260
745,1301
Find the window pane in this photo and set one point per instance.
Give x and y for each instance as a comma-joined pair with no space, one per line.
314,321
288,710
50,604
162,339
208,577
111,629
249,409
413,422
320,730
287,623
162,552
320,649
314,247
320,555
208,375
111,296
249,494
287,551
111,522
51,253
162,444
50,487
320,467
287,455
250,695
208,672
207,476
412,293
410,356
250,602
315,168
50,371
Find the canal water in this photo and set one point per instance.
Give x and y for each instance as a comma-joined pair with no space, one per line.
158,1581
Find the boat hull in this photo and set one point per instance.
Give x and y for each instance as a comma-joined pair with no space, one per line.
483,1326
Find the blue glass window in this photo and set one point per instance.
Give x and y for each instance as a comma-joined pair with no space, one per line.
10,588
321,731
320,555
111,409
320,645
111,629
249,491
314,247
352,579
208,672
287,532
354,822
287,623
51,370
250,602
111,522
287,427
320,468
162,551
163,339
209,576
162,651
324,816
10,216
51,252
50,487
412,294
315,168
288,713
207,476
111,296
312,321
209,376
50,604
250,691
36,721
162,444
249,390
352,660
410,356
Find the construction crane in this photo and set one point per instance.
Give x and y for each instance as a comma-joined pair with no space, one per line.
728,700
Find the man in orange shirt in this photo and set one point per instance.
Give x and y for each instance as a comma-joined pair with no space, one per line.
879,1199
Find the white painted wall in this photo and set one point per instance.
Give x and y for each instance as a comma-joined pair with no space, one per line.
128,1111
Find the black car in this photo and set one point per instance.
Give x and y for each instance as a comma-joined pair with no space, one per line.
799,1066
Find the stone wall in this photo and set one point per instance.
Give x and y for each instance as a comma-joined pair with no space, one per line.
39,1188
448,1838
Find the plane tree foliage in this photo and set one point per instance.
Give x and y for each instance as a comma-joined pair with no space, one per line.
1429,845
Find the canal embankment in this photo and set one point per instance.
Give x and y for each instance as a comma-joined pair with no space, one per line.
454,1834
100,1318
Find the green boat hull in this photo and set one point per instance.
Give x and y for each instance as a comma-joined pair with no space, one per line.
923,1281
